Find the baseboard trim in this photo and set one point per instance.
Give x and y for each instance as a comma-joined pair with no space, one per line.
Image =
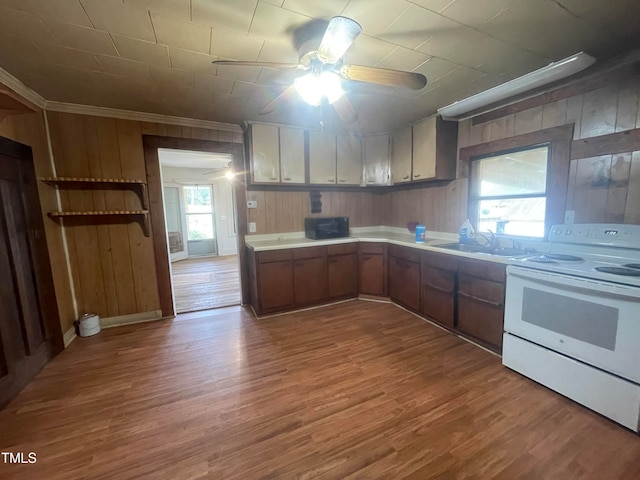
69,336
141,317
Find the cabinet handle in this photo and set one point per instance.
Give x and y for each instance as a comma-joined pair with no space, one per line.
366,257
405,177
481,300
287,178
416,175
273,178
371,181
342,180
436,287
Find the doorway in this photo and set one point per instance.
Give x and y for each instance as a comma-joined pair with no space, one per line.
201,228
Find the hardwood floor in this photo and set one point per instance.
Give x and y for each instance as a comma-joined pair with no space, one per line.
206,283
353,390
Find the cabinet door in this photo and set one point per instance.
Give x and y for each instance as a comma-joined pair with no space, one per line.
349,160
292,155
372,274
424,149
401,156
275,285
343,275
265,153
376,160
322,158
438,294
404,282
310,280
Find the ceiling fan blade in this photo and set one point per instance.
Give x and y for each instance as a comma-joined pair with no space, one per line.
340,34
345,110
238,63
284,95
384,76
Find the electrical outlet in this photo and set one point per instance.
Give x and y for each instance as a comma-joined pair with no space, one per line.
252,227
252,204
569,216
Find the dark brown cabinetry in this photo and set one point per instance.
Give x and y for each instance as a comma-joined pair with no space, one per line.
342,270
309,275
404,276
271,280
481,288
438,287
373,269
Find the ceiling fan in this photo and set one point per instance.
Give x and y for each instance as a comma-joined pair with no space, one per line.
324,71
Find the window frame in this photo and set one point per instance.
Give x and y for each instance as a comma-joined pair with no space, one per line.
187,214
475,198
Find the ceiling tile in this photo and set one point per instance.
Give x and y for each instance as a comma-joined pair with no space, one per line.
234,46
499,58
123,66
192,61
69,57
415,25
403,59
172,76
115,17
324,9
227,14
82,38
374,16
276,24
278,52
185,35
178,9
213,84
141,51
278,78
453,44
473,13
16,22
436,68
244,74
433,5
67,11
367,51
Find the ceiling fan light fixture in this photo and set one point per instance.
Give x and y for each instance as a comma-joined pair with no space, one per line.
312,87
340,34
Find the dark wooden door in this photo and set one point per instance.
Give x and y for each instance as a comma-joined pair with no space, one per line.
276,285
343,275
29,324
310,280
404,282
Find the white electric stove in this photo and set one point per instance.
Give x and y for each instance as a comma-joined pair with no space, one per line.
572,317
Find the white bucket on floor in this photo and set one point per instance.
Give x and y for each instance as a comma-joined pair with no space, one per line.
88,324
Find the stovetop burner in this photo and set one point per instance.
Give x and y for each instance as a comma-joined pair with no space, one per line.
541,259
563,257
627,272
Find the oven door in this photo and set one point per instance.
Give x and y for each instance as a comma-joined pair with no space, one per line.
589,320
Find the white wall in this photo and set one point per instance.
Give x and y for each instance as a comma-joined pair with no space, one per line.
222,201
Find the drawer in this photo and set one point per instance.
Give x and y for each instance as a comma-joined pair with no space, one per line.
406,253
308,252
273,256
440,260
480,269
374,248
342,249
438,279
481,291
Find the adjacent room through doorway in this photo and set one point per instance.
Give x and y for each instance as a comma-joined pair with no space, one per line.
201,229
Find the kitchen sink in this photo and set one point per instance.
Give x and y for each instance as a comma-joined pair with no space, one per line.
501,252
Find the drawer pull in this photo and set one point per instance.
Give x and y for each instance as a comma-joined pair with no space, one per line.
287,178
416,175
273,178
436,287
406,177
481,300
342,180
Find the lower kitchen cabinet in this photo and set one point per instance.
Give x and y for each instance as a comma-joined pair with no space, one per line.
342,270
373,269
272,280
309,275
404,276
481,289
438,280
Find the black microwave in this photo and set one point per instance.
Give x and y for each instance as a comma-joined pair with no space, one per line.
327,227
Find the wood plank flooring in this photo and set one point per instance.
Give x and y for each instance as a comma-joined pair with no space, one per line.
353,390
205,283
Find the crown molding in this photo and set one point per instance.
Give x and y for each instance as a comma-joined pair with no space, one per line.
138,116
20,88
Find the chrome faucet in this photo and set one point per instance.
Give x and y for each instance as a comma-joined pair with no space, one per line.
492,241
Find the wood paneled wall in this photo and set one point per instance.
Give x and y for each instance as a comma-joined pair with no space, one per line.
113,266
280,212
29,129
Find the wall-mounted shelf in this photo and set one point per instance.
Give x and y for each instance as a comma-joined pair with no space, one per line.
86,183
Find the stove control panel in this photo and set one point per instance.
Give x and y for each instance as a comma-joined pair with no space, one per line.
614,235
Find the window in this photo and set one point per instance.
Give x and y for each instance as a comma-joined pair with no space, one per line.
199,211
508,191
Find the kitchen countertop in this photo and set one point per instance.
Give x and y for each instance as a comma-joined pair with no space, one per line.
391,235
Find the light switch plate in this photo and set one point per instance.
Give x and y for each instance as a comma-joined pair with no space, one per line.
252,227
252,204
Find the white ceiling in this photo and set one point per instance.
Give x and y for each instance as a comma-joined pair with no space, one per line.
155,55
191,159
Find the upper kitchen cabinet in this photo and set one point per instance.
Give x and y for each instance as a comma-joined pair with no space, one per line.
401,155
376,160
434,149
322,158
291,155
265,153
349,160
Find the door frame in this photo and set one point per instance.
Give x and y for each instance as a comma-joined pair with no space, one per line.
182,219
151,144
